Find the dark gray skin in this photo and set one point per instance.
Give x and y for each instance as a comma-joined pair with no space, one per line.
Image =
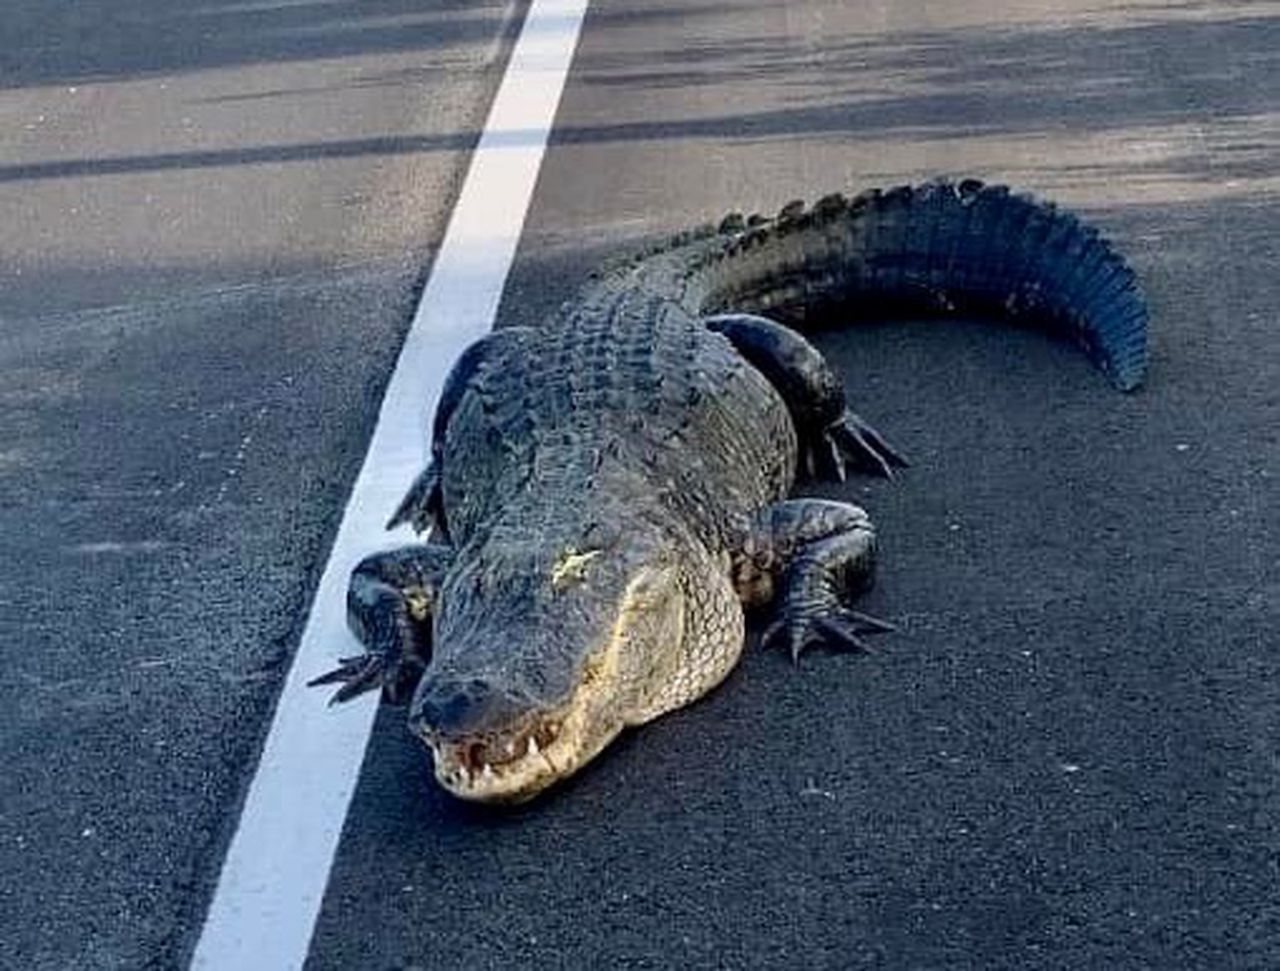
607,492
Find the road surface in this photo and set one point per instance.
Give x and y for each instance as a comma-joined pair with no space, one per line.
1065,759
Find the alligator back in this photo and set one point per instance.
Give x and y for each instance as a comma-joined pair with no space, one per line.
624,408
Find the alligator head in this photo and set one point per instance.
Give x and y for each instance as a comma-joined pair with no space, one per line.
541,659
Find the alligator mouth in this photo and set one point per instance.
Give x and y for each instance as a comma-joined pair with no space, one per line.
516,763
506,767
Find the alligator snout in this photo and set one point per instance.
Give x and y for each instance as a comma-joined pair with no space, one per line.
488,745
452,709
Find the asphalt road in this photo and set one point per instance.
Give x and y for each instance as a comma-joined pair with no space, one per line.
1065,759
216,219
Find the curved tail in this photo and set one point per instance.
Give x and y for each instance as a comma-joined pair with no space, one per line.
939,248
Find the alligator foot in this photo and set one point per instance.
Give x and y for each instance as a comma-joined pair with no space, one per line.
834,625
389,604
830,436
823,552
357,674
423,505
852,439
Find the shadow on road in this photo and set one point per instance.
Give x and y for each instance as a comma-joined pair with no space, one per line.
1101,103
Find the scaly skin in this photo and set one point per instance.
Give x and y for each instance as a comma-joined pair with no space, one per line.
608,490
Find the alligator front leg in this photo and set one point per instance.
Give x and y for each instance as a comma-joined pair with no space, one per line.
828,432
390,600
822,554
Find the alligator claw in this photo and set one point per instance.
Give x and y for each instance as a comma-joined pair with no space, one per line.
838,630
796,636
357,675
837,636
851,437
830,463
866,623
423,505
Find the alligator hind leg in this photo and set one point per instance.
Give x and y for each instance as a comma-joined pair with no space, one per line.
389,603
423,505
822,553
830,435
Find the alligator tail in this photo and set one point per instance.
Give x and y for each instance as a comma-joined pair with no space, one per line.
941,248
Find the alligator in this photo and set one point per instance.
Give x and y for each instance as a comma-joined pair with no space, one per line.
608,491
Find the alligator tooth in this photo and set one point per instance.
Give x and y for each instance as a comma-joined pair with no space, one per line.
488,771
533,745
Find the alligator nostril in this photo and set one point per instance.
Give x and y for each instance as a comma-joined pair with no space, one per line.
470,706
445,705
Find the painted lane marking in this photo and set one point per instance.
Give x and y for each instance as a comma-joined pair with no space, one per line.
273,879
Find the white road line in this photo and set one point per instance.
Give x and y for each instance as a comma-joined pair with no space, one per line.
273,878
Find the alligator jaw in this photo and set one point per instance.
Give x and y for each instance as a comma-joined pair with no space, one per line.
510,768
518,764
